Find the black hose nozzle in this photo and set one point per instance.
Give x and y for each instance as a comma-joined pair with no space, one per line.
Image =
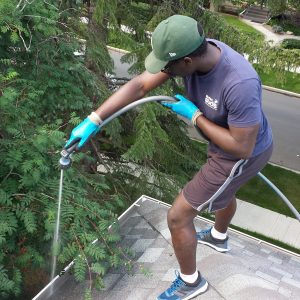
65,161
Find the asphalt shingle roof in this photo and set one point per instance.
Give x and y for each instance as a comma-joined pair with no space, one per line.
252,269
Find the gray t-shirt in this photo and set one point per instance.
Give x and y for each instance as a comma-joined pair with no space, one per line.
230,94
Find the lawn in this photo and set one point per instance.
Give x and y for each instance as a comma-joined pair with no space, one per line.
291,81
256,191
236,22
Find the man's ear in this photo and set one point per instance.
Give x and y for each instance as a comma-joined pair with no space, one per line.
188,60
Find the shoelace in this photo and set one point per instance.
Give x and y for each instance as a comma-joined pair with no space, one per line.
204,232
176,284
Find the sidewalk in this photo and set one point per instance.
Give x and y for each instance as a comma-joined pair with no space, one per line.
268,223
273,38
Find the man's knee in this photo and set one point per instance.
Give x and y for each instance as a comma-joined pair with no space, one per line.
174,219
180,215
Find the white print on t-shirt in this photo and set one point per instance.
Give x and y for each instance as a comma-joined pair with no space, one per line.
212,103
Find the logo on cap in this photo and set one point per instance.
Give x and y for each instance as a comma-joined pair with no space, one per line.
172,54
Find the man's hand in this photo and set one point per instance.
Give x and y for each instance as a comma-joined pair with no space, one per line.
87,128
183,107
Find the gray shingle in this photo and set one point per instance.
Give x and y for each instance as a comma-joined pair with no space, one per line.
251,270
267,277
151,255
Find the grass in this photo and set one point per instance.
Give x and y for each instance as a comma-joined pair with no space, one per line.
291,81
266,239
256,191
237,23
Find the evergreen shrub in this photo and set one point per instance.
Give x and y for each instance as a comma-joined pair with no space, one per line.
291,44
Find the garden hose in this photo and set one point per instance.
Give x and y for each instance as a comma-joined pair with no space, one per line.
65,160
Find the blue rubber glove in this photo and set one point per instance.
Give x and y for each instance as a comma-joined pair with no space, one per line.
82,133
183,107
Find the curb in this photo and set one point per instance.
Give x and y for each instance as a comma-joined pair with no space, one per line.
282,167
121,50
284,92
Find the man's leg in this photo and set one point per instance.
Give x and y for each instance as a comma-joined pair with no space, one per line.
189,282
216,236
224,216
181,225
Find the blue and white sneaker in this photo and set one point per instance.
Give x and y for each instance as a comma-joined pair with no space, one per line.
205,237
180,290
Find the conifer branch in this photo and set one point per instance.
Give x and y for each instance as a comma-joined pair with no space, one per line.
18,5
50,5
24,4
70,8
41,17
106,166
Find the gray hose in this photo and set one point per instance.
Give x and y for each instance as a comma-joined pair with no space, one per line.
66,161
281,195
172,99
136,103
166,98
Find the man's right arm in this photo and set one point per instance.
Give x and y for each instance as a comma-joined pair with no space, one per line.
133,90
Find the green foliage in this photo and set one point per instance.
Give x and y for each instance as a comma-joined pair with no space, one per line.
290,44
45,90
287,25
42,86
277,7
295,4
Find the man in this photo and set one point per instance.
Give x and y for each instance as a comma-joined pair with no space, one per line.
224,94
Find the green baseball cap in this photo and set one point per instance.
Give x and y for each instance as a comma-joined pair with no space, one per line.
172,39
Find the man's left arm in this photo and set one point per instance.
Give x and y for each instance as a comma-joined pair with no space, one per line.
238,141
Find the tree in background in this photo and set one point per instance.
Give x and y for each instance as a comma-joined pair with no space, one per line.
44,91
277,7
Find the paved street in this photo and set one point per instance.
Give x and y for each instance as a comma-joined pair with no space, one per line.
283,113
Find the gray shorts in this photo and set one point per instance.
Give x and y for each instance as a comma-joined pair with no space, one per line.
215,185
